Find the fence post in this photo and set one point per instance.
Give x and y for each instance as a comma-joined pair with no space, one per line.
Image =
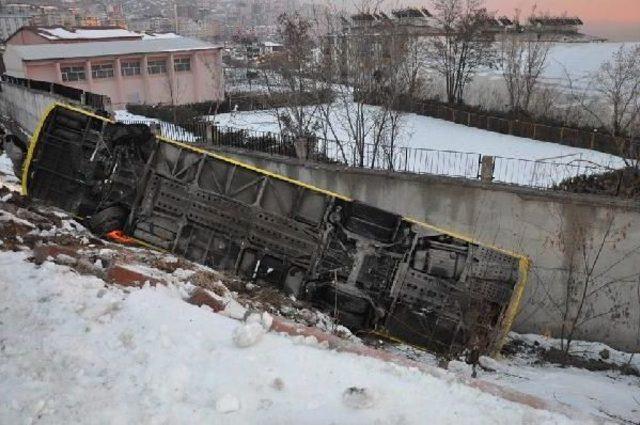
487,168
155,128
209,133
406,158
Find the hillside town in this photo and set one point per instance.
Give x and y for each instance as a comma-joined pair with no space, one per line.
319,212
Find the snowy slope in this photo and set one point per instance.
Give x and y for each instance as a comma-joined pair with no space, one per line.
75,351
579,59
431,133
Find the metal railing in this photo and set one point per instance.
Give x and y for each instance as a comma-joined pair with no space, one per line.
92,100
514,171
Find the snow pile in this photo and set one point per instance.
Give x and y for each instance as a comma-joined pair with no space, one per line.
73,350
248,334
6,172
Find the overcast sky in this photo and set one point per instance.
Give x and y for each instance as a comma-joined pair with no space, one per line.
615,19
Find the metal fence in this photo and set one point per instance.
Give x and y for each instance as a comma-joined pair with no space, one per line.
521,172
574,137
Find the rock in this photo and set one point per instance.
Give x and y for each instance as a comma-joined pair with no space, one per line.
227,404
248,334
277,384
264,319
358,398
605,354
489,364
202,297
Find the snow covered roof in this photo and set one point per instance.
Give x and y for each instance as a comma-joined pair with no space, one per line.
157,35
271,44
108,48
61,33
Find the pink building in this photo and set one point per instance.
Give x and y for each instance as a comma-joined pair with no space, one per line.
126,66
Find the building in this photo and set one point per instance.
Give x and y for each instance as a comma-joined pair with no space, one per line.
366,44
558,25
269,48
10,23
141,69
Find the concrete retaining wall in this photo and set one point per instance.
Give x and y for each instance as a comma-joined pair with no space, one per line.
565,235
25,107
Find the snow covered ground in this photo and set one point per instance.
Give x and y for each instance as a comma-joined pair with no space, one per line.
579,59
435,147
75,349
431,136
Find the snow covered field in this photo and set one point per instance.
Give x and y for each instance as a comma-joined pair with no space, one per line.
579,59
75,349
516,155
436,147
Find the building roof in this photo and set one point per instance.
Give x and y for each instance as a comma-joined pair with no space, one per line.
37,52
58,33
556,21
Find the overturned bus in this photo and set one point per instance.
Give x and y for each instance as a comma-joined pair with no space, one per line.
370,268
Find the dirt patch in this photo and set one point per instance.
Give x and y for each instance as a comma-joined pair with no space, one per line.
555,356
170,265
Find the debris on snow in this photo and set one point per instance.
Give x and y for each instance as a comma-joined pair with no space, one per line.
358,398
277,384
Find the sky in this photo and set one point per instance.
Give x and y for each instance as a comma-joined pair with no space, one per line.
618,20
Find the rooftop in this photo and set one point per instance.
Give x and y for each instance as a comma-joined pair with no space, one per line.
83,33
107,48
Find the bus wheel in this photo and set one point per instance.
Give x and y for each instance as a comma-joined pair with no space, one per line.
108,220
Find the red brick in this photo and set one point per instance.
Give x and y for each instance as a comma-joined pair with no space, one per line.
42,252
202,297
123,276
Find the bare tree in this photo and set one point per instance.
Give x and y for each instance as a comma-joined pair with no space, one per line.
612,94
174,88
292,72
523,61
592,284
463,47
363,70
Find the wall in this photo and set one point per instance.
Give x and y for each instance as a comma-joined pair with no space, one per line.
542,225
25,107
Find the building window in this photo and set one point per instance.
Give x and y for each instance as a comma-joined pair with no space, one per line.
73,73
104,70
182,64
157,67
130,68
